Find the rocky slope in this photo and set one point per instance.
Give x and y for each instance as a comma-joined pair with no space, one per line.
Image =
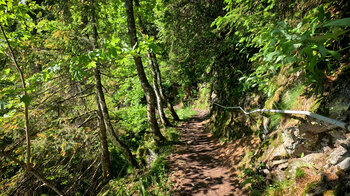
296,155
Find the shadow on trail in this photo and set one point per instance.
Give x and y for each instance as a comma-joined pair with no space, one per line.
197,168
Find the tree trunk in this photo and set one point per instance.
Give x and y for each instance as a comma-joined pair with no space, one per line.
162,95
157,85
149,93
25,95
105,123
160,107
106,162
105,159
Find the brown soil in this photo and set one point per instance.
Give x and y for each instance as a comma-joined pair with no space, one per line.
197,164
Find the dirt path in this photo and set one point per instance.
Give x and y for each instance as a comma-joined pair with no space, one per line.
196,166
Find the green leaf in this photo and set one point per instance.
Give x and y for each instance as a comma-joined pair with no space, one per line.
335,54
9,5
78,73
247,181
26,99
321,13
312,63
340,22
7,71
270,56
92,64
155,48
322,50
308,51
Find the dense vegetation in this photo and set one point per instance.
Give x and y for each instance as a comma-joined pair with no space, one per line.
88,87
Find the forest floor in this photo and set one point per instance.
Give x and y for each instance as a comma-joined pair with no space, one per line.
197,164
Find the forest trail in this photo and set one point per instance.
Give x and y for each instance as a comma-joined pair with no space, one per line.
196,166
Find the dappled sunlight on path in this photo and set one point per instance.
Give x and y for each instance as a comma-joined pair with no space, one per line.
196,164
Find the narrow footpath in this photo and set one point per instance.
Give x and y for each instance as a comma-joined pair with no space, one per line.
196,166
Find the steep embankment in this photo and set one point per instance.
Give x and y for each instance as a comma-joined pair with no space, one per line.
297,154
196,165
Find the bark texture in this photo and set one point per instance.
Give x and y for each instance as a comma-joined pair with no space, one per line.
105,159
147,88
164,98
160,105
105,122
157,80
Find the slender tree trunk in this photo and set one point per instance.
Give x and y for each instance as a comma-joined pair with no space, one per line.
160,102
164,98
149,92
107,122
172,111
26,113
102,106
106,162
160,107
26,166
157,85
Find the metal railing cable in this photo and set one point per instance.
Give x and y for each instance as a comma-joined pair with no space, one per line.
307,113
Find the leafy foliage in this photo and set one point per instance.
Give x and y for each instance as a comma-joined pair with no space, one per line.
215,50
54,47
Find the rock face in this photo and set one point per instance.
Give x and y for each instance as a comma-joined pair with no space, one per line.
296,147
317,159
300,142
291,139
338,155
345,164
297,141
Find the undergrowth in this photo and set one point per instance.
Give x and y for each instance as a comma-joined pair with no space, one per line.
185,113
148,181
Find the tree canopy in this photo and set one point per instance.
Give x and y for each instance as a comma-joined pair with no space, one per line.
88,87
